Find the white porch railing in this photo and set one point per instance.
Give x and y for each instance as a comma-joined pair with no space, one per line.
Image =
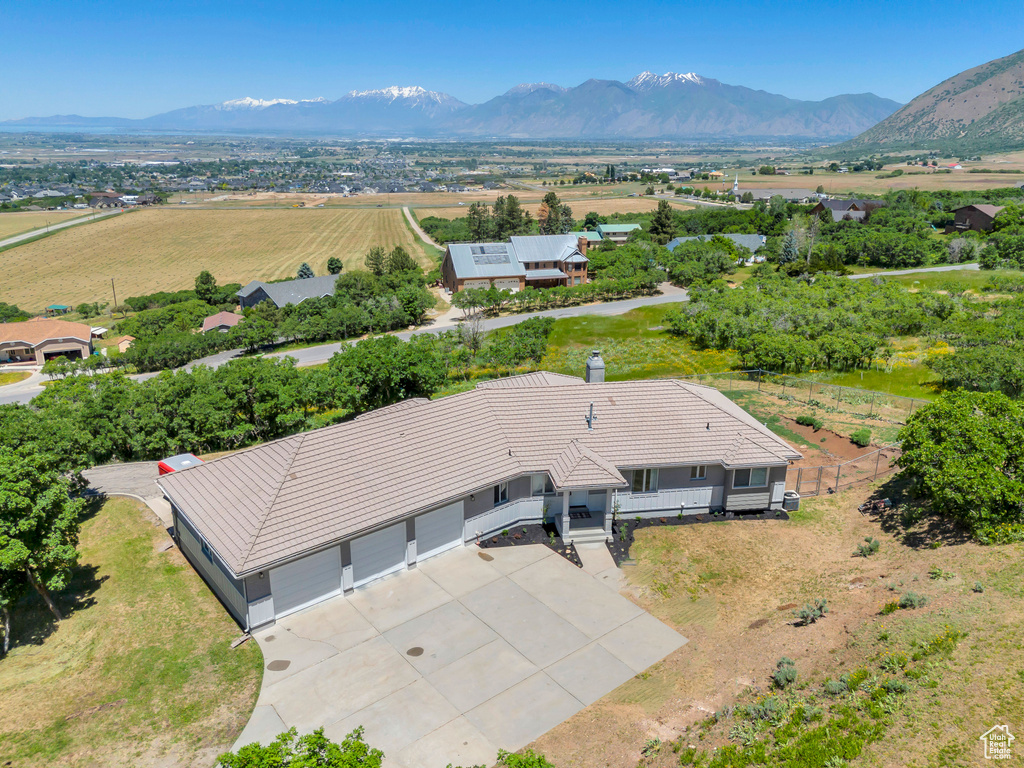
528,510
673,499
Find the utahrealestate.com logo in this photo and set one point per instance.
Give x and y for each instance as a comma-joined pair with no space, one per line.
998,743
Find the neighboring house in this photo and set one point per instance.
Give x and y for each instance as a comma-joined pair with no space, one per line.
750,242
790,195
288,292
975,217
537,261
854,210
284,525
123,343
593,237
617,233
222,321
42,339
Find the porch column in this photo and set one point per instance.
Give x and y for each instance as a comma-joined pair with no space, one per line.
609,509
564,530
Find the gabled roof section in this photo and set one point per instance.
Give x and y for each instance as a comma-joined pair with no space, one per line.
580,467
533,379
37,330
293,291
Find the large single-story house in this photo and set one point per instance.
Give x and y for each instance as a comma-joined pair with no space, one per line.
855,210
222,321
287,292
538,261
976,217
281,526
750,242
617,233
41,339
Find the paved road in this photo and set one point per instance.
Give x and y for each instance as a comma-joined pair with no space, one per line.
15,239
898,272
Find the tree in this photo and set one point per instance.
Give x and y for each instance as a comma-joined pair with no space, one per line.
253,332
554,217
663,225
334,266
965,454
39,523
375,260
305,271
399,260
313,750
479,220
206,287
790,250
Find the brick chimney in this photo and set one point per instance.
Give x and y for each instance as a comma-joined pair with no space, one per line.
581,243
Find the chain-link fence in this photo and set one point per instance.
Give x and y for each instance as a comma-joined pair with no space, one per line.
895,409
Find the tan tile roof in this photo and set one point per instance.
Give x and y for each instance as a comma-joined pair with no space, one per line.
230,319
534,379
579,467
260,506
40,329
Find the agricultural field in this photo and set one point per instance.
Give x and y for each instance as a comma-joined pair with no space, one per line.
140,671
163,249
603,206
16,223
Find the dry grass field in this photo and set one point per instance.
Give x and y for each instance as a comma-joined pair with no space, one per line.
580,207
165,248
16,223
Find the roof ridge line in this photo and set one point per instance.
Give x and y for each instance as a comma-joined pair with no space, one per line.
270,505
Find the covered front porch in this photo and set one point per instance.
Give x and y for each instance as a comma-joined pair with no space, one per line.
585,514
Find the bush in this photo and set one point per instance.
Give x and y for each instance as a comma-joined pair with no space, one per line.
978,587
785,673
835,688
890,607
862,437
811,613
912,600
868,548
807,420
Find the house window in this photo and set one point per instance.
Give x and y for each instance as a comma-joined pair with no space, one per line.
541,484
750,478
501,493
575,281
698,473
207,551
644,481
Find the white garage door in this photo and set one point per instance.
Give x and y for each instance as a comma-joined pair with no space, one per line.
378,554
306,581
438,531
507,284
485,284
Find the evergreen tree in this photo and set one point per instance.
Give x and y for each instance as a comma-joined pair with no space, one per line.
790,250
206,287
334,265
479,221
375,260
399,260
305,271
663,225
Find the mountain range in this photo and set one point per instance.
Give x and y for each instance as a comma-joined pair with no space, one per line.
649,106
980,109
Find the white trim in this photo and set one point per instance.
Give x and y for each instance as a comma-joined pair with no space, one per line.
750,470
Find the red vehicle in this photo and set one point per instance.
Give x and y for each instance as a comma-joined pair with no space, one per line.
175,463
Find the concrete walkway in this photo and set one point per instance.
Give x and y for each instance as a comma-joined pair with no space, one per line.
472,651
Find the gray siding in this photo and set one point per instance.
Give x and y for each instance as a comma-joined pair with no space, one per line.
679,477
257,588
214,573
752,499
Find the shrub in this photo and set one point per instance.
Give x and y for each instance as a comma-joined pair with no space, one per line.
894,662
688,756
835,688
868,548
811,613
861,437
890,607
854,679
785,673
978,587
913,600
936,573
807,420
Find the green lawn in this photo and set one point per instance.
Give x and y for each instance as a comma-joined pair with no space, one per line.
140,672
13,377
906,381
634,346
974,279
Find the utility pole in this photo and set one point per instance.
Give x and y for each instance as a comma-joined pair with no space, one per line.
115,297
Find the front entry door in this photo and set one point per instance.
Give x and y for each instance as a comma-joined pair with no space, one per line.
578,498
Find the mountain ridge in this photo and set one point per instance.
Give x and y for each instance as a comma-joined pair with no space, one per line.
979,109
671,105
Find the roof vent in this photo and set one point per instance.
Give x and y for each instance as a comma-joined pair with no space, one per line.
595,368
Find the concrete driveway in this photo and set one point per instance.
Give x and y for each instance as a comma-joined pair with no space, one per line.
473,651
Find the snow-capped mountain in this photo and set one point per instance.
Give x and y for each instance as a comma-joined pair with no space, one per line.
645,81
672,105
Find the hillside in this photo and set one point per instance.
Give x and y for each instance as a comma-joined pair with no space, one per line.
981,109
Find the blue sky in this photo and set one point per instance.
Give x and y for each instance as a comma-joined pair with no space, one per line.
135,59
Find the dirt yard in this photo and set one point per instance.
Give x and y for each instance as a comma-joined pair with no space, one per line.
731,588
